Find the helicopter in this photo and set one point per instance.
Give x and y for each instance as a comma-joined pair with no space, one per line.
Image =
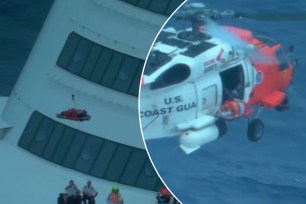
198,79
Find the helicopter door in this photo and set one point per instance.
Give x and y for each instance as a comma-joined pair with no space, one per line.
248,70
233,82
208,95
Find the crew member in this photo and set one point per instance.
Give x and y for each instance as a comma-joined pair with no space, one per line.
163,196
70,192
115,196
89,193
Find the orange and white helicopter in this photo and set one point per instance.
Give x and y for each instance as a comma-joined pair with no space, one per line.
198,79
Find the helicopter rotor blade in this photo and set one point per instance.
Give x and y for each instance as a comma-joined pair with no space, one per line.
273,16
225,35
238,44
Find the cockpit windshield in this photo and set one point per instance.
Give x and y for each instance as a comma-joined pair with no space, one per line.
174,75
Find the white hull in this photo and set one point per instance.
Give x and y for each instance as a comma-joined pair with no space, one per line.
45,88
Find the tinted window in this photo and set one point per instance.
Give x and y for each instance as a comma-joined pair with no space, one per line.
164,7
174,75
147,176
53,141
100,64
134,166
42,136
75,147
283,61
104,159
87,153
63,145
118,163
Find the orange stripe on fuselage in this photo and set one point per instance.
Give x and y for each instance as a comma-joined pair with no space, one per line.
274,79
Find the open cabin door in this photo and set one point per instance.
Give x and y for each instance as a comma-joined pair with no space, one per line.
248,72
238,81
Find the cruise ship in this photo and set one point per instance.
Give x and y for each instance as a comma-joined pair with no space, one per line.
87,58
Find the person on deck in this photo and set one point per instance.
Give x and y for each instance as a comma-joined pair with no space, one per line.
89,193
163,196
115,196
70,192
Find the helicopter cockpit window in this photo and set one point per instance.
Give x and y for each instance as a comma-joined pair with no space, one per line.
176,74
155,60
284,64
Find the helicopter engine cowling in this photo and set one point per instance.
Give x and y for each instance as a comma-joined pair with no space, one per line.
192,140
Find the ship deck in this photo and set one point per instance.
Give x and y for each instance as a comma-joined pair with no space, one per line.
26,178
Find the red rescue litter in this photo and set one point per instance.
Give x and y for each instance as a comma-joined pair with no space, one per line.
74,114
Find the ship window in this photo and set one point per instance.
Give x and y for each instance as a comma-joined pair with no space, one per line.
127,71
159,6
148,176
144,3
133,168
80,56
174,75
110,74
164,7
63,145
172,6
44,131
30,131
53,141
42,136
100,64
68,50
104,159
91,62
74,149
87,153
118,163
134,89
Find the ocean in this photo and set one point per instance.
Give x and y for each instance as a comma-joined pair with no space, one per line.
233,170
20,23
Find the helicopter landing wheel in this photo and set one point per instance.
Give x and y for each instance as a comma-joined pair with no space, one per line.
255,130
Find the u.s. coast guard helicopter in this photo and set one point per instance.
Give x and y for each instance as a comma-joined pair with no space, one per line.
198,79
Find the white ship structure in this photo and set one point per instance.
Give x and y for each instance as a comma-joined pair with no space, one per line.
89,55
